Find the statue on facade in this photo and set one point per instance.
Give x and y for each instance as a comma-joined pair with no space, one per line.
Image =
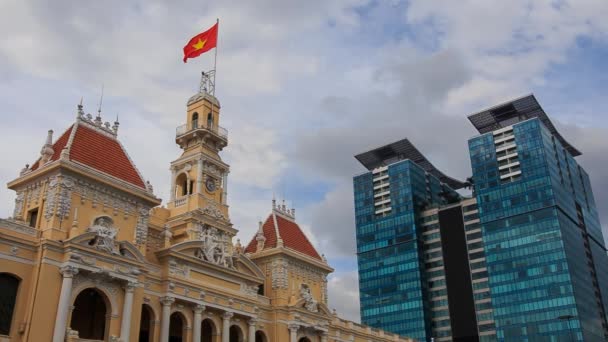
105,239
214,247
309,302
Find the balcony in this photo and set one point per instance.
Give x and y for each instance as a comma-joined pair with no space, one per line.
195,126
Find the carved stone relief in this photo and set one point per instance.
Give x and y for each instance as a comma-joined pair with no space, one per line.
141,230
18,211
213,211
279,274
215,247
178,269
250,290
105,239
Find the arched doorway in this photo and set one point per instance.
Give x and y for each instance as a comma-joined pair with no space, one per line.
90,314
9,285
176,327
260,336
236,335
145,324
207,330
304,339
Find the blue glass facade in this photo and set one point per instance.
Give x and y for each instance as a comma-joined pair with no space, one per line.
524,259
546,260
392,278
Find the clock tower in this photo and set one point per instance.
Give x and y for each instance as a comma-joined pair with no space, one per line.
199,177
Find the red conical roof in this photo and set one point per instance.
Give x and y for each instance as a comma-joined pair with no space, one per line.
90,146
288,230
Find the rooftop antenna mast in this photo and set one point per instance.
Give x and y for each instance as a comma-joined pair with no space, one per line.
100,101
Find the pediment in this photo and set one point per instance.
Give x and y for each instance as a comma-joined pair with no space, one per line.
105,244
203,254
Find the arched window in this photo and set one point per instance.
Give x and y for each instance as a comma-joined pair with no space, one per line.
236,335
207,330
194,120
210,121
9,285
182,186
260,336
176,327
145,324
89,315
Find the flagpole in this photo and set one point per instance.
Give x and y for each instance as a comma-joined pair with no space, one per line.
215,59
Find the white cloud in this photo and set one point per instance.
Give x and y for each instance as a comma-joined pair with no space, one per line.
343,294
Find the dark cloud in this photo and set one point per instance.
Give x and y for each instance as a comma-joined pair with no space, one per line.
414,111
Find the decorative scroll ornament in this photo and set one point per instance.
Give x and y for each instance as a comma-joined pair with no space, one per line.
213,211
105,240
309,303
215,248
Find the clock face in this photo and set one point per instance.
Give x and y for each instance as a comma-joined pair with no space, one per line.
210,184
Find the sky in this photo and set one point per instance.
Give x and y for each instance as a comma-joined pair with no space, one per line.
304,86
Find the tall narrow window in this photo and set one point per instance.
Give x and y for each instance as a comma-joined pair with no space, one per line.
33,217
185,188
8,295
195,120
210,121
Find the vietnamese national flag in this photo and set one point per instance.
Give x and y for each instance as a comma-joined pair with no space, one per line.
201,43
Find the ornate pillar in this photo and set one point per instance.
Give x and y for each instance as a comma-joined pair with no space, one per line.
68,273
127,308
226,326
324,336
225,188
251,332
198,319
293,332
199,178
166,318
173,175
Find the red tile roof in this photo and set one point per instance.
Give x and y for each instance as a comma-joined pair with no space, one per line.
57,147
289,231
99,151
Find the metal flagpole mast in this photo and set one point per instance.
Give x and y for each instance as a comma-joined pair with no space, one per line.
215,59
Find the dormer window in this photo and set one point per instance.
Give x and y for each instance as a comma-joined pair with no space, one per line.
195,120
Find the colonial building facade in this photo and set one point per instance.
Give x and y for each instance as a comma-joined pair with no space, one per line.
90,255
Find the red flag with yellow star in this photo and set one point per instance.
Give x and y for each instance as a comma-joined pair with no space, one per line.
201,43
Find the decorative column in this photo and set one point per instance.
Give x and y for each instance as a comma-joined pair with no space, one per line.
173,175
166,318
127,308
251,324
226,326
198,319
68,273
324,336
293,332
199,178
225,187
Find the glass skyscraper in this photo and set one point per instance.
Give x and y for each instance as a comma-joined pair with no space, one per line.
523,259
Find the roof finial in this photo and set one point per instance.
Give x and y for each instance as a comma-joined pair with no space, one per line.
116,125
274,202
47,150
79,111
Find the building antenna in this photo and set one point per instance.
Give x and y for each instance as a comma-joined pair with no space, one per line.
100,101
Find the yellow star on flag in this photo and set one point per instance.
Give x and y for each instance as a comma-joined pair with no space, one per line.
200,44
